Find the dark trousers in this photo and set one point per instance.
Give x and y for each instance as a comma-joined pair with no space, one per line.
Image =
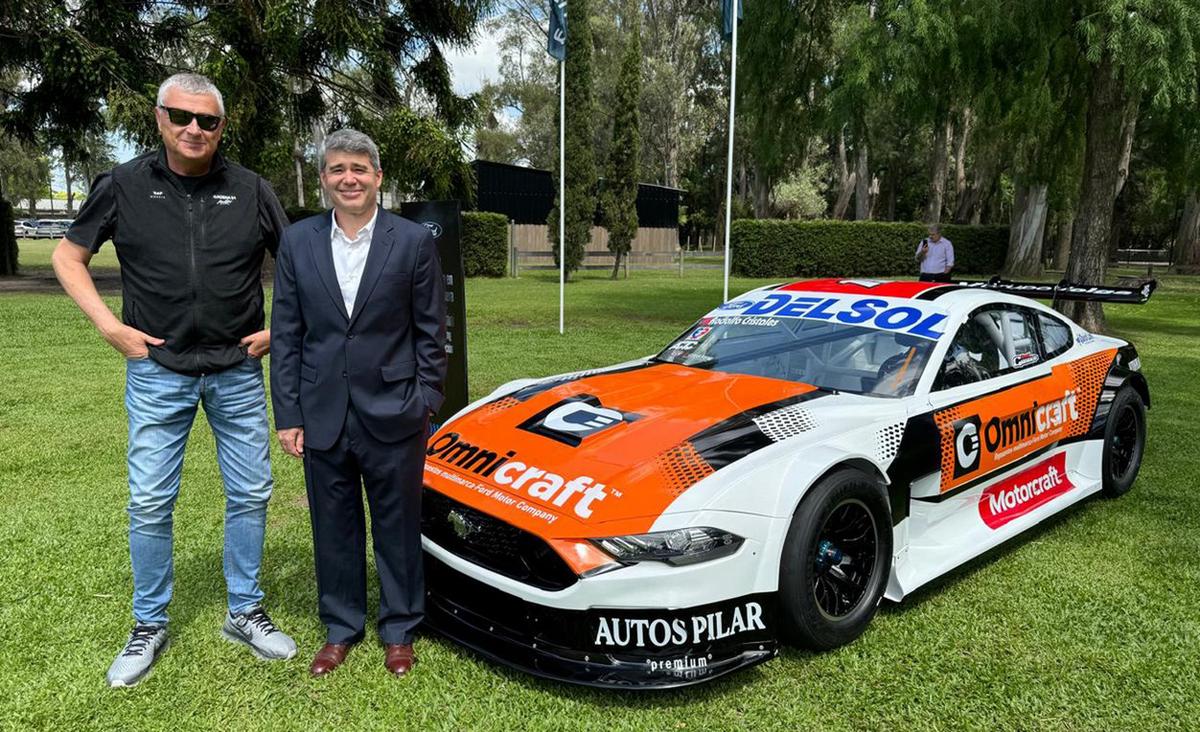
391,473
935,276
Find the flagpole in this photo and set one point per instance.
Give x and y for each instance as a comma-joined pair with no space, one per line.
562,189
729,158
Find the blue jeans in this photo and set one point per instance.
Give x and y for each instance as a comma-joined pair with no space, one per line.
161,405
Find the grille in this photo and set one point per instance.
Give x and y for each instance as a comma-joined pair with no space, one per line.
784,423
493,544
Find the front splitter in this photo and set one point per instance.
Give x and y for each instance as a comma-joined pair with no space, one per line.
609,647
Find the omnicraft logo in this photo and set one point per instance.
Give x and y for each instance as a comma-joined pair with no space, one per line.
540,484
1021,493
1002,433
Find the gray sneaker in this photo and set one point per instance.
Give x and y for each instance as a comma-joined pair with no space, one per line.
255,629
142,649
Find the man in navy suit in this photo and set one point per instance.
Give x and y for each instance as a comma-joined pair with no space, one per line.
357,364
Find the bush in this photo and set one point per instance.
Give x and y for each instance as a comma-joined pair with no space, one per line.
774,248
484,244
8,240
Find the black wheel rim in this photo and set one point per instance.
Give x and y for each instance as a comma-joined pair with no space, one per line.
844,559
1126,442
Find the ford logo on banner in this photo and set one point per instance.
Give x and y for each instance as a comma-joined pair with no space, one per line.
434,227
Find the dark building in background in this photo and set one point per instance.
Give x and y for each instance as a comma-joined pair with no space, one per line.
526,195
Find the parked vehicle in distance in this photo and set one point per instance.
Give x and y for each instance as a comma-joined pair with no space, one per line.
50,228
23,228
796,455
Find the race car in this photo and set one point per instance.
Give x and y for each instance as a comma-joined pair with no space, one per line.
797,454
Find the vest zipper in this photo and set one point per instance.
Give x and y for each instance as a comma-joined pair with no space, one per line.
192,275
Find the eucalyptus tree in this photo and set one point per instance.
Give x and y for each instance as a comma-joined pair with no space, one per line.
1133,49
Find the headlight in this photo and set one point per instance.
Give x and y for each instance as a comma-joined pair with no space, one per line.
677,547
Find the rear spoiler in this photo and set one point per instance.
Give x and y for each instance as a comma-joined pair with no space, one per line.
1065,290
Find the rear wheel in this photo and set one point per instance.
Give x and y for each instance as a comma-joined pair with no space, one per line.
1124,441
836,560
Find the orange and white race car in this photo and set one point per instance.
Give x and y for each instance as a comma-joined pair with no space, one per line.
797,454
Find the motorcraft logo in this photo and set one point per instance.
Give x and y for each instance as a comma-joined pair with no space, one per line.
1019,494
620,632
966,446
512,481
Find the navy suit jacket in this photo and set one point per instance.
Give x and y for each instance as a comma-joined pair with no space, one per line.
387,358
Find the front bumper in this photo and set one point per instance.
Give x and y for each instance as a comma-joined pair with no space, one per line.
604,647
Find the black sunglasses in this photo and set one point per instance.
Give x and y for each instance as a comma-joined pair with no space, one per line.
183,118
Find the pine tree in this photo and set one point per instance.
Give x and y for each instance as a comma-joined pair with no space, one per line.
580,156
620,186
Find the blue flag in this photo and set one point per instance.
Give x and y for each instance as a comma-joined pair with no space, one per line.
556,42
727,16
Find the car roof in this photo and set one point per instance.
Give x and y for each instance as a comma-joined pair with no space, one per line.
953,297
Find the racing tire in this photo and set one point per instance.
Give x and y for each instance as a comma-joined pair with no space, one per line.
1124,442
836,560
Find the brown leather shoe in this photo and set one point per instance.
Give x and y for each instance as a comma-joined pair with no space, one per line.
328,658
399,659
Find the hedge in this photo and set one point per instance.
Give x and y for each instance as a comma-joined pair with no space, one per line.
484,241
484,244
775,248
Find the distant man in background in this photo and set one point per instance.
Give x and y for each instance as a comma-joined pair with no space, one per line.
359,329
935,255
190,230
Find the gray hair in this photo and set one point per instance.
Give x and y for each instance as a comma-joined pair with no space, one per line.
191,84
349,141
935,228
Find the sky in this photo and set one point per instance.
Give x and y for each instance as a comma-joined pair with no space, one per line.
469,68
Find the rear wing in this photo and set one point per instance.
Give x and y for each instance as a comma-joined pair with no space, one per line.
1064,290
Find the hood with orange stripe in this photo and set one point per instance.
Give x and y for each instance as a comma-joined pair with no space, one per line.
605,454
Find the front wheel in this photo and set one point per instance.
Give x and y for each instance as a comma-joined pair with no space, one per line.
836,560
1124,441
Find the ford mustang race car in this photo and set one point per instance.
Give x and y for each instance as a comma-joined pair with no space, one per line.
796,455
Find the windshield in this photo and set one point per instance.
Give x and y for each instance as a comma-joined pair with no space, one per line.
882,353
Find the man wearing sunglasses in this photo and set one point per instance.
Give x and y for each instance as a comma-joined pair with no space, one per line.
190,230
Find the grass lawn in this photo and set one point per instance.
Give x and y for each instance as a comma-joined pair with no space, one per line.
1090,622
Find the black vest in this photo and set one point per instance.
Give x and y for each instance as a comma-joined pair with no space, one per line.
190,263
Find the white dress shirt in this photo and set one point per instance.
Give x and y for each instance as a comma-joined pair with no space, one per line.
349,257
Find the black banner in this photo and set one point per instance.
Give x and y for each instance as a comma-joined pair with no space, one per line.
444,219
1064,290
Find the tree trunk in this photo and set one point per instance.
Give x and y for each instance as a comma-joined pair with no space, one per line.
1107,101
760,187
1026,230
890,183
960,154
1062,250
617,264
70,188
1187,239
298,159
969,208
937,173
862,183
845,177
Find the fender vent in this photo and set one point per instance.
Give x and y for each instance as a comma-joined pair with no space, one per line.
888,442
682,467
784,423
500,405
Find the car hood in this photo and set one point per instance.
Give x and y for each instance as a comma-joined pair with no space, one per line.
605,454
